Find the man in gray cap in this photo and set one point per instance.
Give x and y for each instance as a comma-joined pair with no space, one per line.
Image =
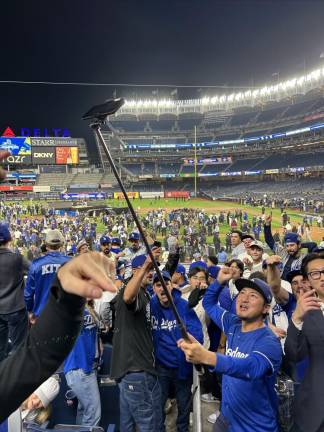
42,272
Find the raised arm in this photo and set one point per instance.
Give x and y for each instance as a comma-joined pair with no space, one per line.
221,317
273,278
134,285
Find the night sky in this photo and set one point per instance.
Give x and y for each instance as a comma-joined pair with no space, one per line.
178,42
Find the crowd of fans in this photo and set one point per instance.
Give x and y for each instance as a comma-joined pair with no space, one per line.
253,312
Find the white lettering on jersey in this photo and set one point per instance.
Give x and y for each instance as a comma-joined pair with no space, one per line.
50,268
235,353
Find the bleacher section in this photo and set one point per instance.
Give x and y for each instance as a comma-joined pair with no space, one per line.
54,179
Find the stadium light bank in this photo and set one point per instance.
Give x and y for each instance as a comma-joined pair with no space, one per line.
251,97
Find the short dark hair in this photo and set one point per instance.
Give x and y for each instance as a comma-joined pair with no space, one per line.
309,258
238,262
196,270
213,259
258,275
237,232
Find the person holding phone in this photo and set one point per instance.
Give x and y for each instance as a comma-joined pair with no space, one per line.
305,339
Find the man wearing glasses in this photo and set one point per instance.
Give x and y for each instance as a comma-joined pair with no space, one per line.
305,339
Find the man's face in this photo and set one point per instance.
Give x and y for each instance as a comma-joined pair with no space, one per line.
315,277
250,305
235,239
198,280
247,242
148,277
157,287
256,253
105,248
134,244
292,248
299,285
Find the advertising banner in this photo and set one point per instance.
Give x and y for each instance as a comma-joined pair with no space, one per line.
119,195
176,194
19,148
77,196
209,161
43,155
152,194
52,169
67,155
41,188
272,171
15,188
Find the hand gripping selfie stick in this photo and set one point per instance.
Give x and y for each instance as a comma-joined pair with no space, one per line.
98,117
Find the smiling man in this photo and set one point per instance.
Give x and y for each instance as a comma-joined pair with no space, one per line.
252,359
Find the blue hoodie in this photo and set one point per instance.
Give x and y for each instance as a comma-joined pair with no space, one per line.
249,370
40,276
166,333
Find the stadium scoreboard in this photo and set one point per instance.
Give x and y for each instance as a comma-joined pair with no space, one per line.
40,151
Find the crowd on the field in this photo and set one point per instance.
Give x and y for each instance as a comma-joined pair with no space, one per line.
253,311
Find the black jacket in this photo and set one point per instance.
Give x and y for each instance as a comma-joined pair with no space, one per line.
12,270
47,345
309,342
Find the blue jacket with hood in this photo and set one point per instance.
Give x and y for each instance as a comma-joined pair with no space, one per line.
166,333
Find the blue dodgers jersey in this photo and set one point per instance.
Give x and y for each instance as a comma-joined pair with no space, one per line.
249,369
39,280
84,351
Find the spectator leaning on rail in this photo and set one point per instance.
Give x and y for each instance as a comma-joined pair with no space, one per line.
290,253
42,273
253,356
172,367
13,314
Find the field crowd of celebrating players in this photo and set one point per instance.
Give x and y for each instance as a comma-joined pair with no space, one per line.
253,310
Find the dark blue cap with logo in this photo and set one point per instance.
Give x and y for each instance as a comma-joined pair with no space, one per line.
181,269
105,239
198,264
256,284
138,261
5,235
213,271
291,238
165,275
116,240
134,236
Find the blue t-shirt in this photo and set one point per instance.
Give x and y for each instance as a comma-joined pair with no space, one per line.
84,351
249,370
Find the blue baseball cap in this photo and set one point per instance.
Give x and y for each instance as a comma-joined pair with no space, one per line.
5,235
256,284
198,264
213,271
181,269
116,240
105,239
134,236
138,261
165,275
291,238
